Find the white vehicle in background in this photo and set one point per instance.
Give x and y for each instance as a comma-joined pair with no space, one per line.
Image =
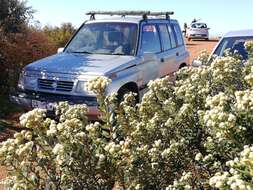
234,42
197,30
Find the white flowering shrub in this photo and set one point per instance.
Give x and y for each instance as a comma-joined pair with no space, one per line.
56,154
239,174
203,57
182,135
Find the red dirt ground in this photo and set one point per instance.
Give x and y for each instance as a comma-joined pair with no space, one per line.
195,47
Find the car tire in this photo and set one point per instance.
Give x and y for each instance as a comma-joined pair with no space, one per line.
182,66
122,92
207,39
189,39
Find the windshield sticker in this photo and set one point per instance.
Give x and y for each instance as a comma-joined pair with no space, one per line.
149,28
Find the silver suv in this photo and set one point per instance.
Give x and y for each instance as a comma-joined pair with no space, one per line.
128,49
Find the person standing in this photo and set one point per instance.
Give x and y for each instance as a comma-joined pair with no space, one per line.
185,29
194,20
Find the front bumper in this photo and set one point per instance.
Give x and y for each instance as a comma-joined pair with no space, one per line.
27,97
199,36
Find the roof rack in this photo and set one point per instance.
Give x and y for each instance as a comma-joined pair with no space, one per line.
144,14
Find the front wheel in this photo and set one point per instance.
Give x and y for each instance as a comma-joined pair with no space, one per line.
122,92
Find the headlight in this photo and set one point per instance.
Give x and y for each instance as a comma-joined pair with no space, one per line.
30,82
31,73
81,87
27,79
21,82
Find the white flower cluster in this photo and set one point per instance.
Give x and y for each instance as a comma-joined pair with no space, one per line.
203,57
249,47
97,84
225,69
240,173
33,118
244,101
184,183
216,116
249,77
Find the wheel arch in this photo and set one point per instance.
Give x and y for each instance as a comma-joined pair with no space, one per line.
131,86
182,65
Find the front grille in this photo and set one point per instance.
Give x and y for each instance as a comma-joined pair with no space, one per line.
55,85
54,97
199,35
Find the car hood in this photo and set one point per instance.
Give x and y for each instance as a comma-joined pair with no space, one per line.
76,64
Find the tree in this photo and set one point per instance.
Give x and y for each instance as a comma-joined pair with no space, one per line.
59,35
14,15
19,43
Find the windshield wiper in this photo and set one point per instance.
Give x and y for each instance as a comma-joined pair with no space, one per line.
87,52
118,54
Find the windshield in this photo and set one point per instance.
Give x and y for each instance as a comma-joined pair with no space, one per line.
105,38
199,25
235,45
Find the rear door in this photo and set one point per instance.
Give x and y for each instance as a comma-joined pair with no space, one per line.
167,57
179,51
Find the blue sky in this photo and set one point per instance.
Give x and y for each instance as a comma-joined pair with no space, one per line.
220,15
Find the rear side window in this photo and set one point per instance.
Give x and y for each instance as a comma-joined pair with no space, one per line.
150,39
180,40
172,36
165,37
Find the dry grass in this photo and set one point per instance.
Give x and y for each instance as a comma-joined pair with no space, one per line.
2,174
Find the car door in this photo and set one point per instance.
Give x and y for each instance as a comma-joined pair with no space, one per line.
177,47
150,46
167,57
181,52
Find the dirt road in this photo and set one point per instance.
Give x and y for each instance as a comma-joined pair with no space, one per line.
196,46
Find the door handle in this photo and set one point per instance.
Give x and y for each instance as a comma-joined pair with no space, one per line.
177,54
162,60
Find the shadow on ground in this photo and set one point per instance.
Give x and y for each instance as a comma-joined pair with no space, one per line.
7,129
9,118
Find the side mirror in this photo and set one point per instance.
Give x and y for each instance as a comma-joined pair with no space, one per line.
60,50
148,57
196,63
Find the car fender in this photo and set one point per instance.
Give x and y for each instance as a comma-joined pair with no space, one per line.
122,78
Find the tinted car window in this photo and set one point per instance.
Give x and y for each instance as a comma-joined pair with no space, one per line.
199,25
179,36
165,37
235,45
172,36
150,39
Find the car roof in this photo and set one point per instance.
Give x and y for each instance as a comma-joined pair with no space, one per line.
198,23
129,19
239,33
